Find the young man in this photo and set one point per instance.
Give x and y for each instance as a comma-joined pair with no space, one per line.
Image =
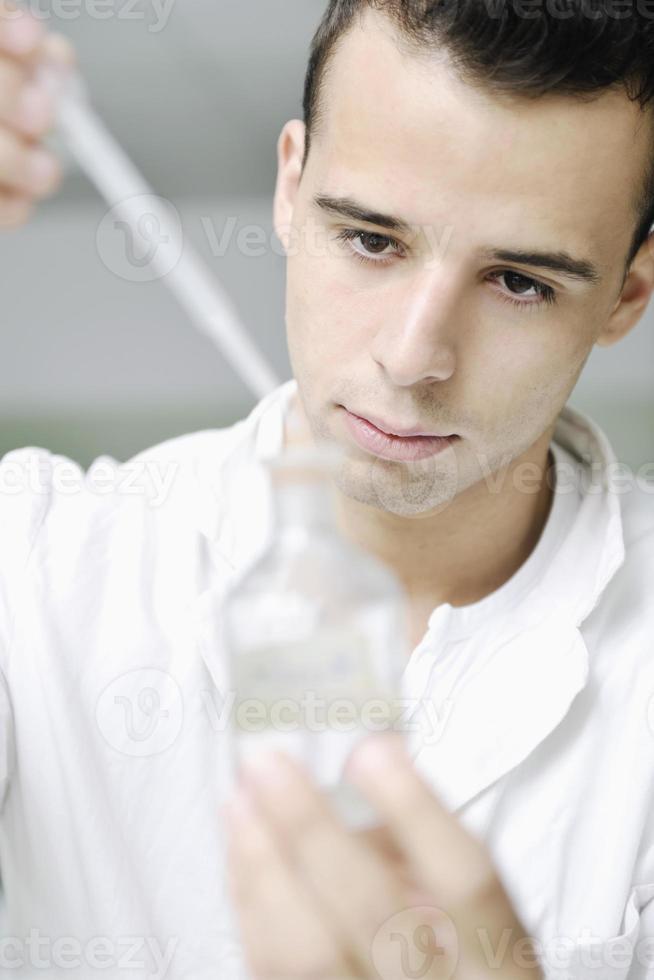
465,209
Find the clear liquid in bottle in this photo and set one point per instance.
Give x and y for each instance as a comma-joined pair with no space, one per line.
315,635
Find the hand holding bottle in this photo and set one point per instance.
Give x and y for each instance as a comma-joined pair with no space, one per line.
315,900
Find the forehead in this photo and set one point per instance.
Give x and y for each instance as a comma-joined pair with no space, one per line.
404,131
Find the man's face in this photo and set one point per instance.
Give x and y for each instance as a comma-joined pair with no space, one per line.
435,330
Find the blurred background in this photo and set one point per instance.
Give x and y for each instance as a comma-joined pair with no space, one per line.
197,92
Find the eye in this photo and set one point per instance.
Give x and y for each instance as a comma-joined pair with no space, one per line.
372,244
533,292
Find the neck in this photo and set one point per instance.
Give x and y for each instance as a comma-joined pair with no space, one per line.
465,551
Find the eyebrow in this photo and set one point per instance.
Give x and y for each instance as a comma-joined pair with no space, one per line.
348,208
559,262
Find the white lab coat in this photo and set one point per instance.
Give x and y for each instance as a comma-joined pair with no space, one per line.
114,752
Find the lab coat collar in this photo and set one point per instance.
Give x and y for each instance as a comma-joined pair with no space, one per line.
539,661
502,712
595,549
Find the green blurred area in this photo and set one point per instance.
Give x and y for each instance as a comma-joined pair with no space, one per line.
121,434
85,437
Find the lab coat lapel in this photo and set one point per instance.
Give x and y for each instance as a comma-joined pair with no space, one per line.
502,712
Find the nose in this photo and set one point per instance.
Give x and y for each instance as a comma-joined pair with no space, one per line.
416,341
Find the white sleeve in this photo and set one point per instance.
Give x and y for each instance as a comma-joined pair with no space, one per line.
25,496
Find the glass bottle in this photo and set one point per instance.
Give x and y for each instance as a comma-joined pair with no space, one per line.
315,632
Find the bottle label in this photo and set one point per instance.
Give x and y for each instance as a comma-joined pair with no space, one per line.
331,675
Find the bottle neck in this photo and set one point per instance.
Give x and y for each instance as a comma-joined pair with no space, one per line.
307,505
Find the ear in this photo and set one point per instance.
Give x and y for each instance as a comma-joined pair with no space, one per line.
290,153
634,298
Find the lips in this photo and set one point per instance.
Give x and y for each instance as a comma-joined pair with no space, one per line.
401,432
404,448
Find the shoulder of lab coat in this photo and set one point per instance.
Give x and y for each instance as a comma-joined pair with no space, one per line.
57,514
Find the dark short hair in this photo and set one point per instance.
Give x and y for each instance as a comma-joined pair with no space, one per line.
524,47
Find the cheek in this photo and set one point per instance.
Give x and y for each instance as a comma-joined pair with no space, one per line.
328,320
555,363
521,378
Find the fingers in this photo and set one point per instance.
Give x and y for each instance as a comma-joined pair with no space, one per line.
355,887
24,105
27,170
20,32
355,881
30,170
448,862
281,934
458,871
57,49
